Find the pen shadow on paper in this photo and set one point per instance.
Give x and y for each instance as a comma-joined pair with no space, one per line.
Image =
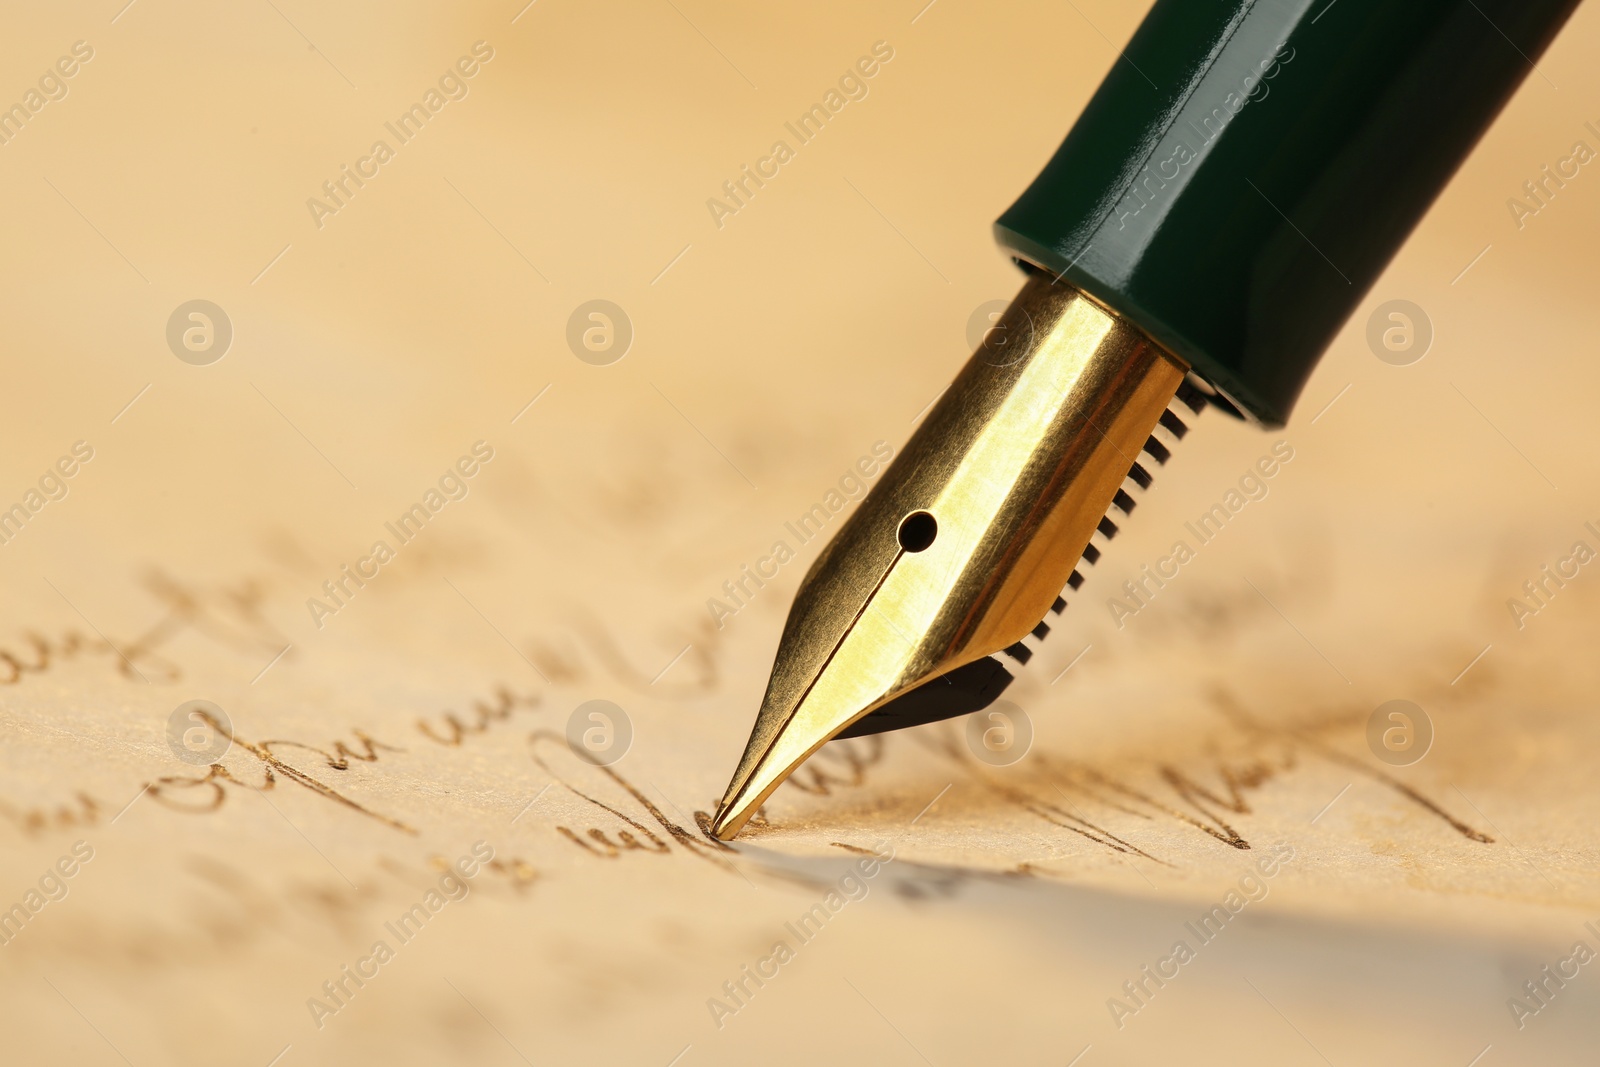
1224,788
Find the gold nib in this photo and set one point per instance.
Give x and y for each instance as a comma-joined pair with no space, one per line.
969,536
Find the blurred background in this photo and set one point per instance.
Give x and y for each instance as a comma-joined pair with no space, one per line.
359,337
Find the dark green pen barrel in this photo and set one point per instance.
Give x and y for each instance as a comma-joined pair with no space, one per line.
1247,169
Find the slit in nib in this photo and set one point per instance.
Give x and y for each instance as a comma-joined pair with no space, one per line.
977,685
889,629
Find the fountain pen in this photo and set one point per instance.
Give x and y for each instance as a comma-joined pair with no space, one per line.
1229,193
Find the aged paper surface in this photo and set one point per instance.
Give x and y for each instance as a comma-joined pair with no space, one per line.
391,853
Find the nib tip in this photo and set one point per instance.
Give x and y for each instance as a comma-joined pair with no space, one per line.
730,818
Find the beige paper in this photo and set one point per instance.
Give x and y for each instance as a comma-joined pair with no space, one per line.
1200,770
